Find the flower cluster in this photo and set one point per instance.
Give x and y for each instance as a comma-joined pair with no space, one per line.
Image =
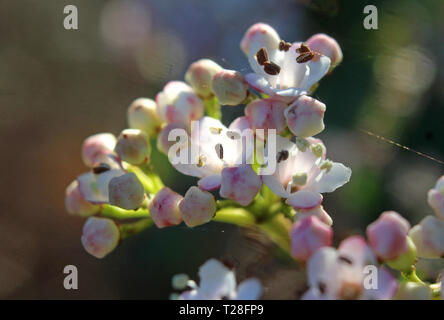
264,169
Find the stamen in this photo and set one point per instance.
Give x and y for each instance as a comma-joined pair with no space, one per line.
299,179
233,135
215,130
284,46
272,68
305,53
262,56
326,165
100,168
201,161
345,259
282,156
219,151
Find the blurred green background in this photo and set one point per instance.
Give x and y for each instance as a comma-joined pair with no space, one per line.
59,86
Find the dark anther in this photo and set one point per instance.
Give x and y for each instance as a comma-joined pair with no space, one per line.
227,262
262,56
233,135
303,48
284,46
272,68
282,156
305,53
219,151
101,167
322,287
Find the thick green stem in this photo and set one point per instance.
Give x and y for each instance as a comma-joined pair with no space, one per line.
238,216
212,108
150,181
113,212
412,276
129,229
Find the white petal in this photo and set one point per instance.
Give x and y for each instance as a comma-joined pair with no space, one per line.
94,188
216,280
259,83
304,199
335,178
250,289
317,70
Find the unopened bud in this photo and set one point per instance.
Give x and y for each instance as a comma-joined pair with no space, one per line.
200,74
142,115
197,207
164,208
229,87
97,147
76,204
305,116
435,198
259,35
133,146
126,191
327,46
100,236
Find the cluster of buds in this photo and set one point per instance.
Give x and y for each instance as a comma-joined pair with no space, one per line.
122,194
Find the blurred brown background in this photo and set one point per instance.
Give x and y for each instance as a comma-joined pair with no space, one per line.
59,86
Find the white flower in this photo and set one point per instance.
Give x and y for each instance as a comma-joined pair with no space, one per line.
293,78
219,282
299,169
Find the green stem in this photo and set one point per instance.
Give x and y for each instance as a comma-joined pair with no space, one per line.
150,181
278,229
412,276
238,216
129,229
113,212
436,290
212,107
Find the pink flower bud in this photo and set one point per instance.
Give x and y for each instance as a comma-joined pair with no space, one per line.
178,103
327,46
76,204
435,198
307,236
428,237
200,74
240,184
387,236
100,236
164,208
197,207
259,35
305,116
126,192
97,147
133,146
266,114
229,87
163,143
142,115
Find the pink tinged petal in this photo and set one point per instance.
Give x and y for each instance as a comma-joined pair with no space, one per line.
266,114
259,35
333,179
197,207
259,83
317,212
142,115
210,183
164,208
133,146
76,204
356,250
318,68
304,200
240,184
305,117
323,272
200,74
386,288
387,236
100,236
96,147
428,237
250,289
216,280
307,236
229,87
94,187
293,74
435,199
126,192
240,123
327,46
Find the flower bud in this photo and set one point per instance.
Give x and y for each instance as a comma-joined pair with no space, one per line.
178,103
133,146
164,208
199,76
259,35
327,46
305,116
387,236
307,236
428,237
100,236
197,207
435,198
96,147
76,204
229,87
266,114
180,281
240,184
413,291
142,115
405,260
126,191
